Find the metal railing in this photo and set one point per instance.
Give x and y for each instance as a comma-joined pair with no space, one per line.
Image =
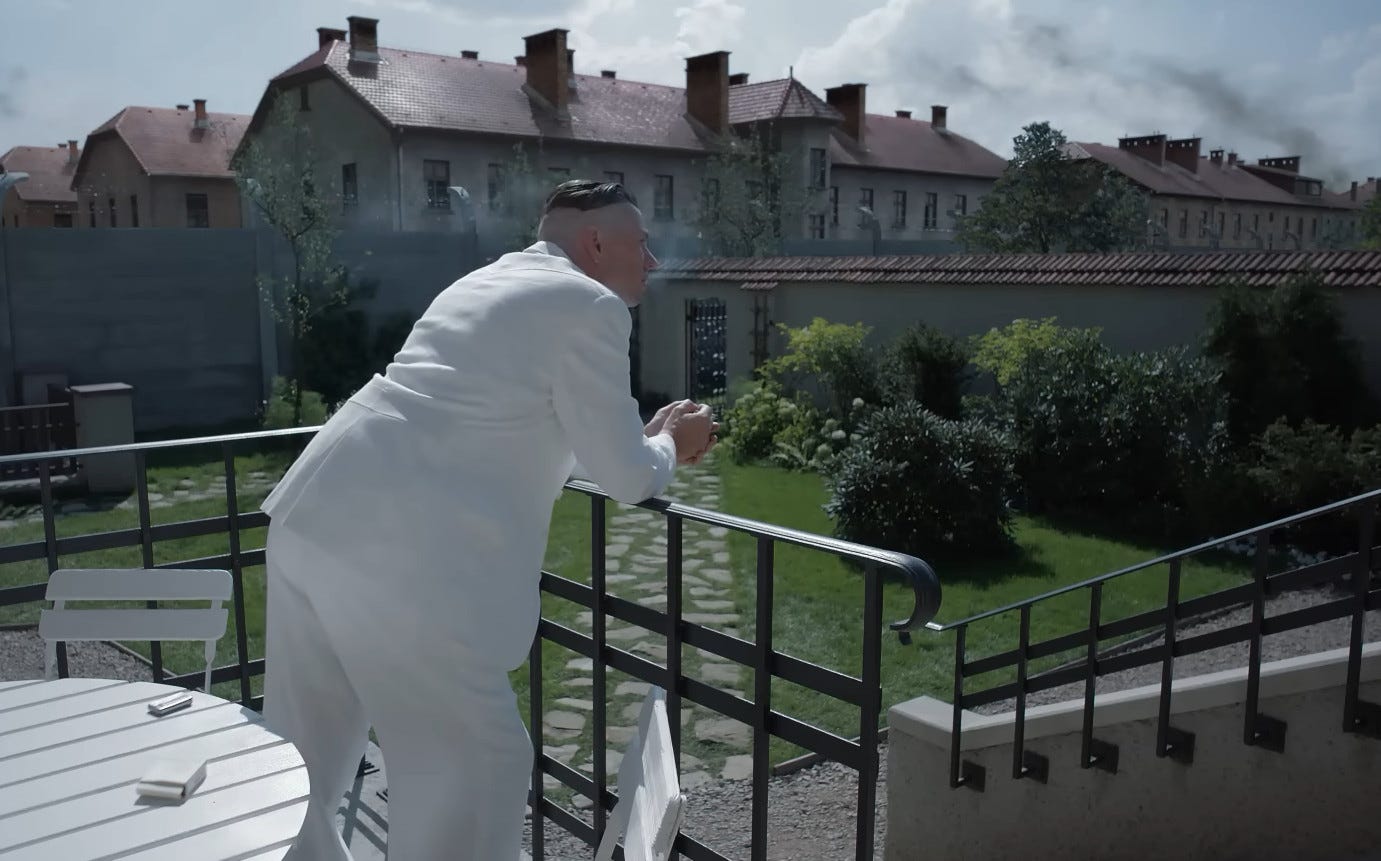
37,428
1356,571
863,692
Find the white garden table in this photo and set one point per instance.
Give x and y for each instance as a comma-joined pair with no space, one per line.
72,750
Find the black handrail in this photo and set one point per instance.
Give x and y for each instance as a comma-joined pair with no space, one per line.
1178,555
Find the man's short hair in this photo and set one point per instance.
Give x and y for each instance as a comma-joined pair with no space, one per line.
587,194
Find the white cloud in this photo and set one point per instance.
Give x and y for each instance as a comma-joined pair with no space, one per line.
708,24
999,70
651,50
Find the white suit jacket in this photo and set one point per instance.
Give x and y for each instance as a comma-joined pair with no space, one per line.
430,491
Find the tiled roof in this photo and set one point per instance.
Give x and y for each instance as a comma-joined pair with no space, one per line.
786,98
900,143
417,90
1217,181
165,141
50,173
1132,269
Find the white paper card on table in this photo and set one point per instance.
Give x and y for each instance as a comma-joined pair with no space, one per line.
172,778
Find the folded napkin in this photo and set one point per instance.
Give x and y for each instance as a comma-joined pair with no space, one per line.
172,778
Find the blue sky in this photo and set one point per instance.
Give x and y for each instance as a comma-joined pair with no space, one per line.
1265,78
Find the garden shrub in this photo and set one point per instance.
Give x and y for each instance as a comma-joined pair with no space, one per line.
921,484
751,426
1001,352
1284,355
1111,436
834,357
927,366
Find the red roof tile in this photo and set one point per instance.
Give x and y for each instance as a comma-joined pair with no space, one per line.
786,98
1219,181
50,173
900,143
165,141
1137,269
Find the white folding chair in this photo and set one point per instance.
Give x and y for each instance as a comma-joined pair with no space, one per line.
140,584
651,809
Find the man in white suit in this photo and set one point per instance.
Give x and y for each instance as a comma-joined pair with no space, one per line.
406,542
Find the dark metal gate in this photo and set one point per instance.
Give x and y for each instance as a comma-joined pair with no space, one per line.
707,377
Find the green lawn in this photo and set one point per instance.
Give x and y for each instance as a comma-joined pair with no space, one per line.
818,600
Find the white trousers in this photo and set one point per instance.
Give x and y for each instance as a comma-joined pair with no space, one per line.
337,661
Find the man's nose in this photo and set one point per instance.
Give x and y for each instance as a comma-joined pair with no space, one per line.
651,262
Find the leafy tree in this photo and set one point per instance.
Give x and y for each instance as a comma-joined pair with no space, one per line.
751,194
1045,202
1371,222
276,171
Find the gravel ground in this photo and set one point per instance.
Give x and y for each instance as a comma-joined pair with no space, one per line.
21,657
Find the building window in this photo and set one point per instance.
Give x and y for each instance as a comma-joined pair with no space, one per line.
496,187
1184,223
60,219
662,200
304,101
1222,224
819,168
198,211
834,205
91,212
1256,223
1299,226
1165,218
1313,228
898,209
614,176
1203,224
1237,226
865,200
961,206
110,206
932,210
817,226
134,210
437,176
349,185
712,198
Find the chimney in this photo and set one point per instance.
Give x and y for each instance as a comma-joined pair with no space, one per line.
1354,191
1289,163
851,100
1232,159
904,115
707,90
73,155
608,73
364,39
939,118
201,121
327,35
1184,152
184,107
1216,156
1151,148
520,60
738,79
549,67
470,55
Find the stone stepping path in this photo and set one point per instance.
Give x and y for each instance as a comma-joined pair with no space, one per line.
636,549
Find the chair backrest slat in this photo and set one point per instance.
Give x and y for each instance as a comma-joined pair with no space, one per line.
149,584
126,625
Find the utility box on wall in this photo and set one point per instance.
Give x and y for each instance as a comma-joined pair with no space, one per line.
104,413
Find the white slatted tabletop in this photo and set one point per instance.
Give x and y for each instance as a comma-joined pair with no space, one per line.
72,750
